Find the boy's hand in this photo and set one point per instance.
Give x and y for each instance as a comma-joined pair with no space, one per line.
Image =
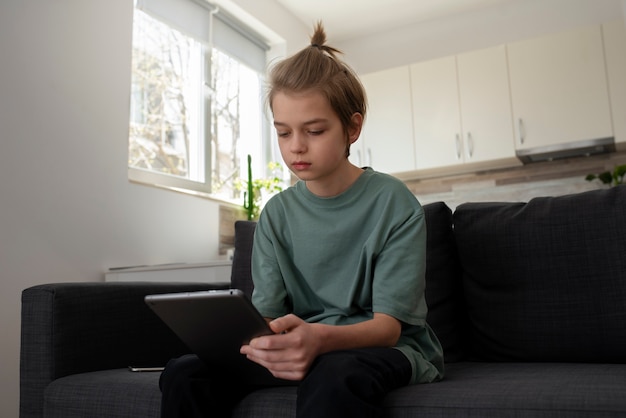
290,352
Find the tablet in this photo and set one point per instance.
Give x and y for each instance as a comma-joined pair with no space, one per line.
214,324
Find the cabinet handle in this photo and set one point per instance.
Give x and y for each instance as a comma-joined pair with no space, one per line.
369,158
358,157
470,145
520,127
458,147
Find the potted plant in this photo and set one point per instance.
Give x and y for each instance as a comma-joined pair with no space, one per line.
611,178
252,197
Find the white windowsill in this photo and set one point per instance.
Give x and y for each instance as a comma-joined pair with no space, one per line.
209,272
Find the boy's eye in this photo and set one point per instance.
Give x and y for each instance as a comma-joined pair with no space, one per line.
316,132
282,134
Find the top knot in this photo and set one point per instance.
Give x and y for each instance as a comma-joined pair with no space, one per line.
319,35
318,40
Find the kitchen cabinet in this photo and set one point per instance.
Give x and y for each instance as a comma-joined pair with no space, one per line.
436,113
559,88
615,49
461,109
485,102
386,141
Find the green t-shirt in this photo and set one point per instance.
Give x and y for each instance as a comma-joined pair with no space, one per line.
338,260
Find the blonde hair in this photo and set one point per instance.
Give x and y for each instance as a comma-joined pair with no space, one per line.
318,68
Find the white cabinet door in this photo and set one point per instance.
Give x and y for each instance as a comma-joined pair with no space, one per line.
615,49
436,113
559,88
462,109
486,118
386,142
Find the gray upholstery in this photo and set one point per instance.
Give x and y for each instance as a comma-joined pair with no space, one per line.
72,328
529,301
471,389
241,275
497,390
540,275
447,314
104,393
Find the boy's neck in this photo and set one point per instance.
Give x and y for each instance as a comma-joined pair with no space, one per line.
336,185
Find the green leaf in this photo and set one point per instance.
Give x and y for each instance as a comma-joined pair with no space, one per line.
606,177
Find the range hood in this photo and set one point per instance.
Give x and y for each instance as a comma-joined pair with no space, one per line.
583,148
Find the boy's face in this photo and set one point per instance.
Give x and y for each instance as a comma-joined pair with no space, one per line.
311,138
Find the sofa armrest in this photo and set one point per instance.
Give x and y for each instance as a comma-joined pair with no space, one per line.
70,328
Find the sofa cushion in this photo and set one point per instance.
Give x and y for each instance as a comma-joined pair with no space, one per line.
484,390
469,389
444,296
109,393
546,280
241,274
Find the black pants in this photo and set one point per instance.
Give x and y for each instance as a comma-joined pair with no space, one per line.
351,383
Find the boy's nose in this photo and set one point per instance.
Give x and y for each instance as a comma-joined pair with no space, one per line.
298,145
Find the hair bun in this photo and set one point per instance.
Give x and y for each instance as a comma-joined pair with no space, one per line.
318,39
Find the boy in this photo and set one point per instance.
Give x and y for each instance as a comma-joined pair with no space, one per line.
338,259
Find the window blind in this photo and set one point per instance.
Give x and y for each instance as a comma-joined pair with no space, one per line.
193,17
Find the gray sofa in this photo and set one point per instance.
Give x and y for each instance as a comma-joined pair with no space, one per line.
528,299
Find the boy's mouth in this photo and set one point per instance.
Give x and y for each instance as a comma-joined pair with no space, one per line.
300,165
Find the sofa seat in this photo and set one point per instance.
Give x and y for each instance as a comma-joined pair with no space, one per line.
106,393
477,389
470,389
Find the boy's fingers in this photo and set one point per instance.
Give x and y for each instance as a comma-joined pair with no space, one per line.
284,323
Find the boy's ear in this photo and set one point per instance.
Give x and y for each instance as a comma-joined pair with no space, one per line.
356,124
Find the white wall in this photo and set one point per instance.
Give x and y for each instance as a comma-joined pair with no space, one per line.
505,22
67,210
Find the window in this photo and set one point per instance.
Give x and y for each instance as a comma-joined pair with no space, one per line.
196,107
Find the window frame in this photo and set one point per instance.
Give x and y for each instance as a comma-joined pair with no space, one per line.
232,32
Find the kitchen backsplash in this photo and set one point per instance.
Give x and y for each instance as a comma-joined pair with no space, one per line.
519,184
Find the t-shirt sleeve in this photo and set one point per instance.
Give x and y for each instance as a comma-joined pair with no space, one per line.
269,295
400,267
